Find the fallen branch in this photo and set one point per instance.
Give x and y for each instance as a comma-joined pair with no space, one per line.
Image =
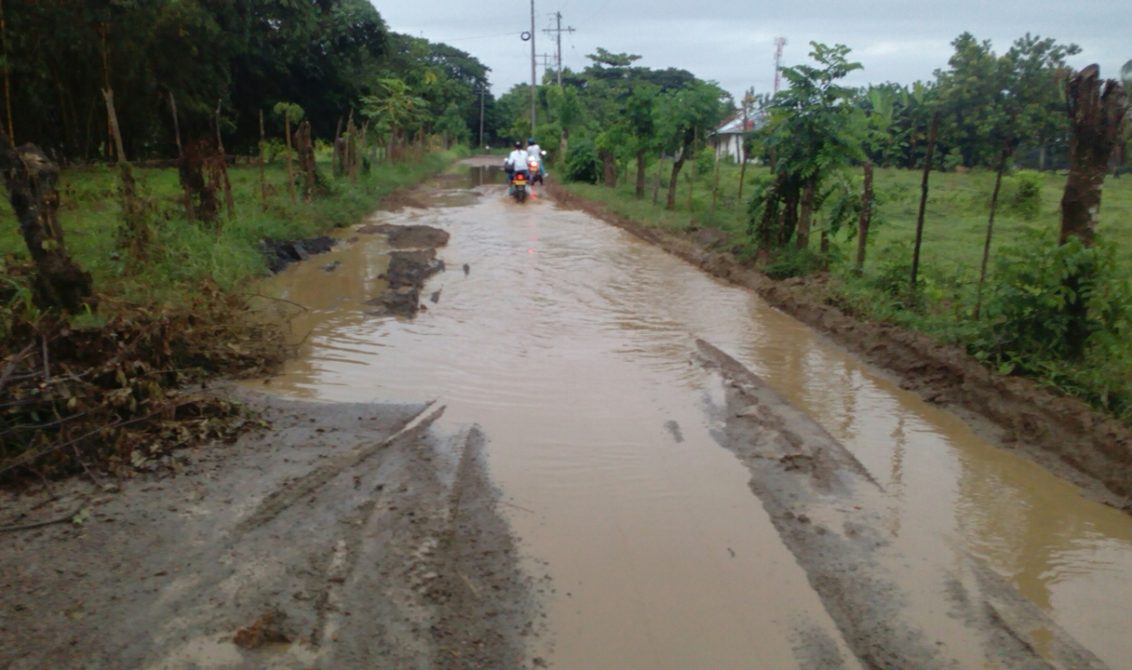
40,524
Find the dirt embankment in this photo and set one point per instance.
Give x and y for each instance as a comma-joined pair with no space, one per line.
347,536
1062,434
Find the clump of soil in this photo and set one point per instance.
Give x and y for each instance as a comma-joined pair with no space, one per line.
114,397
408,237
281,253
409,267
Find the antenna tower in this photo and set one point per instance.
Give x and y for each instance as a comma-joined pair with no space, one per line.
779,43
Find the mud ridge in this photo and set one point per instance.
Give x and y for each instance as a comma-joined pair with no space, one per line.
411,264
828,511
1062,434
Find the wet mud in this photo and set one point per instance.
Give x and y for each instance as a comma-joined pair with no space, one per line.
413,262
341,536
830,511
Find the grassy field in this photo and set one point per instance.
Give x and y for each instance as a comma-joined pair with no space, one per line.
954,232
183,254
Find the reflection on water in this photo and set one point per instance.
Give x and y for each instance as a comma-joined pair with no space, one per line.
569,342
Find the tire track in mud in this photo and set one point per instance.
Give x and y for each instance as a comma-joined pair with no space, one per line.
828,510
337,540
290,492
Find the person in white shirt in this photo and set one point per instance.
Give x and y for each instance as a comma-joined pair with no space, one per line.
534,153
516,162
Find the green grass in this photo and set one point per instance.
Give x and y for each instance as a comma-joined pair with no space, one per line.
184,254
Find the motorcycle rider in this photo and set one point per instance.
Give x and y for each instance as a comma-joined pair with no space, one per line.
535,153
516,162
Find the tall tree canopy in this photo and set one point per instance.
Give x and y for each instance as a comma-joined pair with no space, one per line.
243,55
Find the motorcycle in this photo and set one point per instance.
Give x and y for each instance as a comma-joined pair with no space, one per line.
535,167
519,187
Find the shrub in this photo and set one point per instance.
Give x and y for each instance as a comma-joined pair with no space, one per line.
1029,316
1024,193
582,163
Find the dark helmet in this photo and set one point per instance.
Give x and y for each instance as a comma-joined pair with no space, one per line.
531,141
518,144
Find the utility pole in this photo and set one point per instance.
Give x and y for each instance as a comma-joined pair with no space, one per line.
545,61
558,30
779,43
483,91
534,83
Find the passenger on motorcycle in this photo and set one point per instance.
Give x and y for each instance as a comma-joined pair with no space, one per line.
535,154
516,162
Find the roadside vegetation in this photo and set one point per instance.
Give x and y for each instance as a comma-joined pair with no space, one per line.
968,207
151,173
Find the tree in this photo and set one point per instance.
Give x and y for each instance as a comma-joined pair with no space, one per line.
814,129
682,117
972,91
397,107
452,126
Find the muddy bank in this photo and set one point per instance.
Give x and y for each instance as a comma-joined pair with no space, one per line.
831,513
410,266
1062,434
281,253
342,536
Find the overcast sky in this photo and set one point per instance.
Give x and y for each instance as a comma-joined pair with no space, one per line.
733,43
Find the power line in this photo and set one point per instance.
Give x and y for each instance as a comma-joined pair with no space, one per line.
558,30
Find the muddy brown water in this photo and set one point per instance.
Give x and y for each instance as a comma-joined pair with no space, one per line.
570,343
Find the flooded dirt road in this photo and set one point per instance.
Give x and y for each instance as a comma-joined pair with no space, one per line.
583,453
572,345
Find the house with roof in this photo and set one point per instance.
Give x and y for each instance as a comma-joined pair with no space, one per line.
728,136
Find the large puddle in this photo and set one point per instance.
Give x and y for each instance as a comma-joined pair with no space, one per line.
569,342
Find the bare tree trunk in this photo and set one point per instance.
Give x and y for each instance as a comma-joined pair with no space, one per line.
693,173
229,201
742,168
352,148
608,168
262,175
670,203
339,150
769,218
7,71
923,200
1097,113
715,184
563,145
865,218
809,193
186,192
656,182
290,169
639,190
306,160
30,178
990,231
135,234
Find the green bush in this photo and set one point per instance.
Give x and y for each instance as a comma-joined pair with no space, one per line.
582,163
1029,314
1024,193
